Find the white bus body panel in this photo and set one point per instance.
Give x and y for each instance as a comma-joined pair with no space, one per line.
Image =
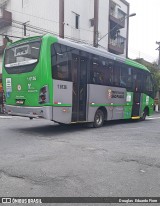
109,96
62,96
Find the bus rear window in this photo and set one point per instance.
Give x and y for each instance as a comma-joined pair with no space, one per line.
20,57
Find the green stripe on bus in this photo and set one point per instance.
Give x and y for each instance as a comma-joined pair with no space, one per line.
136,64
109,105
62,105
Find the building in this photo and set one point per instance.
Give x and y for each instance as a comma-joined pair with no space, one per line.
85,21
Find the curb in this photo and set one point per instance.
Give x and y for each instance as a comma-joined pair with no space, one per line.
5,117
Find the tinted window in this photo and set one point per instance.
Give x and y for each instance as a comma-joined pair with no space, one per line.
97,69
101,70
138,80
148,84
22,58
116,74
109,74
94,69
126,77
22,55
61,62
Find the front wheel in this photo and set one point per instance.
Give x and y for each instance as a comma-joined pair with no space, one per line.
98,119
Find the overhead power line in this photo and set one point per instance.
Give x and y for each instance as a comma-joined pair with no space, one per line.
57,22
40,31
34,27
6,35
11,10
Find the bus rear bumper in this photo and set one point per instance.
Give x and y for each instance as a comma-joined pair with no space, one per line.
31,112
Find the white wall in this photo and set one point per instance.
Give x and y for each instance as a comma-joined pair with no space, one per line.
38,13
44,15
103,22
86,11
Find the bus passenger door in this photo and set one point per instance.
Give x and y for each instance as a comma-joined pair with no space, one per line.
79,78
75,64
82,89
137,85
136,104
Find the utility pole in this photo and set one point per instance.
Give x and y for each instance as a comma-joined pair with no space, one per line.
95,33
61,18
127,37
25,28
159,53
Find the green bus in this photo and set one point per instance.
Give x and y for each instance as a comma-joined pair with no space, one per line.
66,82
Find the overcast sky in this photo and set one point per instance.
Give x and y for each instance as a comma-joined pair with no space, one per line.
144,29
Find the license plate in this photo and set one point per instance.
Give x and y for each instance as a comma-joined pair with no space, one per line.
19,101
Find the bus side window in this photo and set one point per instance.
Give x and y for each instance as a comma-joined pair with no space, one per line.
109,73
129,83
148,84
116,74
126,77
60,62
123,76
94,69
11,58
134,85
139,80
97,73
53,61
74,66
102,70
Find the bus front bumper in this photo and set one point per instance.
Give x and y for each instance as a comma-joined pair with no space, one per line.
31,112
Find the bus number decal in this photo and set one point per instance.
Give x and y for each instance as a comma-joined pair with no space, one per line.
32,78
61,86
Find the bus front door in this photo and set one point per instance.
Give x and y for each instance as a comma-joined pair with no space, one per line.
79,78
136,104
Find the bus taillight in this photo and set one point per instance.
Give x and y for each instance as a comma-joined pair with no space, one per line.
44,95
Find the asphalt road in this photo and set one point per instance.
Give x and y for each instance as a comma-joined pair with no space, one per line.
40,158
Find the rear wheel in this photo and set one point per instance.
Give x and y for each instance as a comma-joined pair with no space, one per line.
98,119
61,124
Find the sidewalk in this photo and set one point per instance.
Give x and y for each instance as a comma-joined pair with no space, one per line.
3,114
156,113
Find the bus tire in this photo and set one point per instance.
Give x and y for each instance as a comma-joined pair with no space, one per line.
61,124
98,119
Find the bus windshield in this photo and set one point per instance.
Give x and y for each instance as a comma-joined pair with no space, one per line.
24,54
